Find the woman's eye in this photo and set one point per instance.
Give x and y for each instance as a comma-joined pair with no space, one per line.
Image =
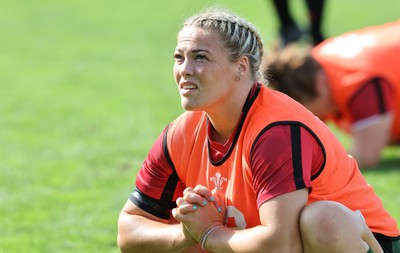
201,57
178,57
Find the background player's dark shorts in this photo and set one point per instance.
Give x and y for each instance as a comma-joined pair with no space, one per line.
389,245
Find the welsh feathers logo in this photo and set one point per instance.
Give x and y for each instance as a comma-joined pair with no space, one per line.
218,181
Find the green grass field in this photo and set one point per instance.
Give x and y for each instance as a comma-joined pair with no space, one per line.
87,87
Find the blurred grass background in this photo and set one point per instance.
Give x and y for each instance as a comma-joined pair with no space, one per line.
87,86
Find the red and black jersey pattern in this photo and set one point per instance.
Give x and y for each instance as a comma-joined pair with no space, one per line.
373,98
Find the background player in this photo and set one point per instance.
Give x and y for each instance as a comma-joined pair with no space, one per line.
352,79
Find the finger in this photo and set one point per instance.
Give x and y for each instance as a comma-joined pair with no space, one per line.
204,191
177,215
187,208
188,190
219,201
180,201
195,199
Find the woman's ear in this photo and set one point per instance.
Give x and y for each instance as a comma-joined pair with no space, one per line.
243,65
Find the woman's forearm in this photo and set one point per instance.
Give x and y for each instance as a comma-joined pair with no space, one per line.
256,239
139,234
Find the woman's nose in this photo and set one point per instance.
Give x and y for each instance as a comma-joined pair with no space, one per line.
186,68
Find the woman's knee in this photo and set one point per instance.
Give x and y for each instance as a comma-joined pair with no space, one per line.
320,218
327,224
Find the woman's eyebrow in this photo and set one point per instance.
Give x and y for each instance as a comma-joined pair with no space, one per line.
200,50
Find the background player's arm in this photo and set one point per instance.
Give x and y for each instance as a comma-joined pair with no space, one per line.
372,121
369,141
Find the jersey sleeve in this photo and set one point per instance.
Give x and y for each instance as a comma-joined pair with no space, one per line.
157,183
283,160
378,94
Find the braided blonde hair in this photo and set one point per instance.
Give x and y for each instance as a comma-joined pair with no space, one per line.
239,36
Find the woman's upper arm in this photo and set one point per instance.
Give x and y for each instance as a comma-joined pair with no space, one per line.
282,170
281,214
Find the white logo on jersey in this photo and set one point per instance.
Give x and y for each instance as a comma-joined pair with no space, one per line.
237,218
218,181
348,46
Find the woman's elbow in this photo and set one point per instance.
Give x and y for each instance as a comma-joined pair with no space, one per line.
123,243
127,246
124,237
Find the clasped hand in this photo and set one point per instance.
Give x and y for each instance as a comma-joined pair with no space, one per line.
198,209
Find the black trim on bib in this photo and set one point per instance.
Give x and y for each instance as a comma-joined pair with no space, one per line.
247,105
293,126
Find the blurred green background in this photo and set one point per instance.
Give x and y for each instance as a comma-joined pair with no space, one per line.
87,86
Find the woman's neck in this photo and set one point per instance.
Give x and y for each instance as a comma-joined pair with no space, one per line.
225,119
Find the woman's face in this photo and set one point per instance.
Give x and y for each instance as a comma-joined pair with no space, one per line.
202,70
